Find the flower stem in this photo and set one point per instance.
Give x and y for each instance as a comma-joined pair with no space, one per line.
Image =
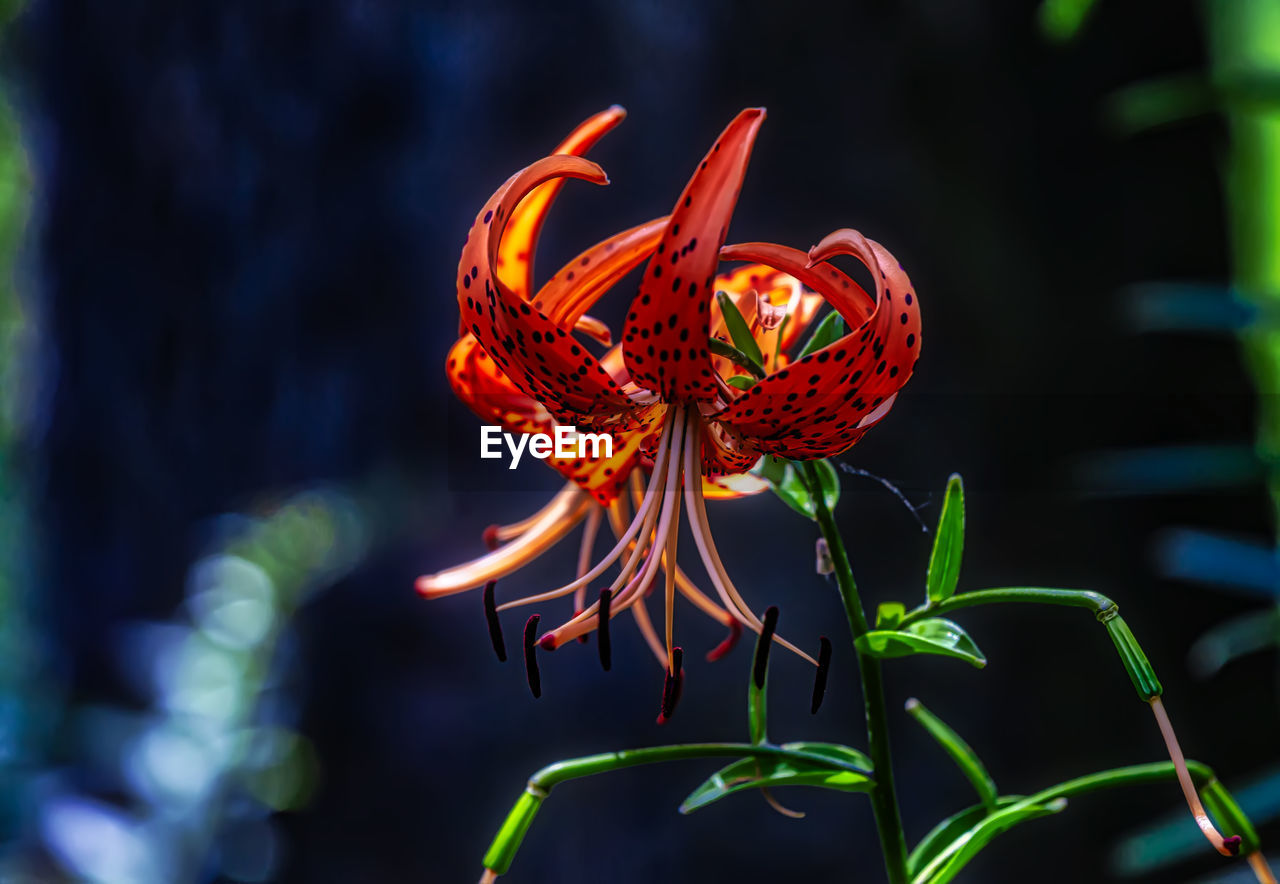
884,797
505,844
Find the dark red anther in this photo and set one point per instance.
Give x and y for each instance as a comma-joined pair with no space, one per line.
735,632
820,679
761,665
530,656
495,625
1232,844
491,537
672,685
602,630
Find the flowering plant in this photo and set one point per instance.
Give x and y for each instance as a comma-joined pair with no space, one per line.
723,385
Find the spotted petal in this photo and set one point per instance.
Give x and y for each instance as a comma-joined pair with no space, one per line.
665,336
820,405
542,359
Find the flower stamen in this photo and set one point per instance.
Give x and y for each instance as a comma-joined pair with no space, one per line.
548,526
637,528
602,630
687,587
585,548
1225,846
760,666
1261,870
673,534
698,524
495,625
531,658
641,612
665,483
672,686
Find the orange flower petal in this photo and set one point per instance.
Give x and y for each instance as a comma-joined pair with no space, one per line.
821,404
515,252
729,487
480,383
581,282
665,336
542,359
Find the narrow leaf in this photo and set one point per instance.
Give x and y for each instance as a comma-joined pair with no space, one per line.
843,754
830,330
932,636
739,331
734,355
948,544
956,855
944,833
960,751
741,381
805,768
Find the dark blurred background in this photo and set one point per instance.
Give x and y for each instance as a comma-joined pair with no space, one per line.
245,224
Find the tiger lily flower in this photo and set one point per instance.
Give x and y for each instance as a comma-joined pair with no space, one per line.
666,399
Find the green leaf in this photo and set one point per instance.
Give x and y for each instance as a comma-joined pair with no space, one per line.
734,355
739,331
741,381
932,636
845,755
948,544
960,751
791,487
889,614
944,833
805,768
830,330
771,467
948,862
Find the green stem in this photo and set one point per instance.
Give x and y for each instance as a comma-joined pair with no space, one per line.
1104,610
504,846
606,762
884,797
1072,598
